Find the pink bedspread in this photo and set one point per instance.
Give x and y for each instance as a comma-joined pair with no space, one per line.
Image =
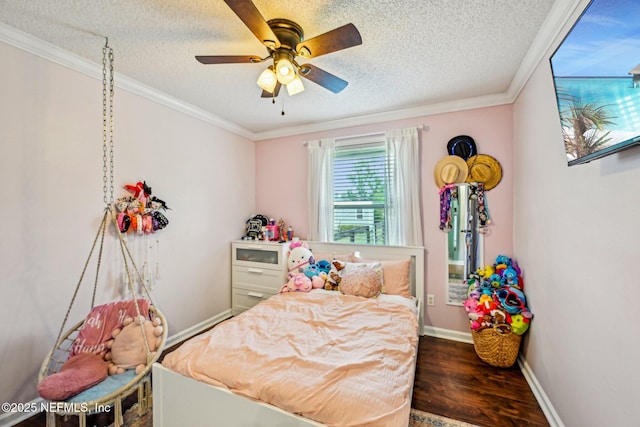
336,359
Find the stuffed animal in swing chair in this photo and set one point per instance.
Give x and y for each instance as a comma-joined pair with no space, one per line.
127,349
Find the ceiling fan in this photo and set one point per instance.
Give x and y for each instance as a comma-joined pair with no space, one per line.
284,40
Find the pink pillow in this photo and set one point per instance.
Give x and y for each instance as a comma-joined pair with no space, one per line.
76,375
396,276
349,257
362,282
100,324
128,349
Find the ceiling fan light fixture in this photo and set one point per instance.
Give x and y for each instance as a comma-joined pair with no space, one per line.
285,71
295,86
267,80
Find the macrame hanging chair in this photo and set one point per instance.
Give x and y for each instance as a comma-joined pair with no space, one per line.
108,395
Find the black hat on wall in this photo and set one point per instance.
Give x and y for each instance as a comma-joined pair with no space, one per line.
462,146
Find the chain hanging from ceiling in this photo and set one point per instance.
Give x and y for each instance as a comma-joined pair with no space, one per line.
107,122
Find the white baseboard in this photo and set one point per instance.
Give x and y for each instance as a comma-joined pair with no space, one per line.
448,334
12,418
543,400
197,328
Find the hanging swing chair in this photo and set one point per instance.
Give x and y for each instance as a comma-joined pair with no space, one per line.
108,394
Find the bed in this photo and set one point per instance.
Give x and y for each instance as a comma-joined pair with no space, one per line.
302,359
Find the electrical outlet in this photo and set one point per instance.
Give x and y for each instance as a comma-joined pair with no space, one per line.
431,300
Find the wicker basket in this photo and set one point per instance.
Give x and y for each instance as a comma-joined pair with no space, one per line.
495,347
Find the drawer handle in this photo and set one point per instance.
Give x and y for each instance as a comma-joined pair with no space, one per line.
255,294
256,270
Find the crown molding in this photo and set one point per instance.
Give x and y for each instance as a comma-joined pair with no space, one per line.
557,24
376,118
43,49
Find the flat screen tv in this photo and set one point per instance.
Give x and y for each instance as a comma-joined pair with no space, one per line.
596,74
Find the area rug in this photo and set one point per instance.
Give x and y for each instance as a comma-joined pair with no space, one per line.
132,418
424,419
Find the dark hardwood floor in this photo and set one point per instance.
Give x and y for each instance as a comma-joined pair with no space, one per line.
450,381
453,382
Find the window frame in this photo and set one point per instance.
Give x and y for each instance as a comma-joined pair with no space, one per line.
377,140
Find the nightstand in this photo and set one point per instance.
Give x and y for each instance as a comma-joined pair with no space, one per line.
258,271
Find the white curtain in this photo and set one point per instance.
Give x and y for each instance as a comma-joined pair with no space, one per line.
320,189
404,207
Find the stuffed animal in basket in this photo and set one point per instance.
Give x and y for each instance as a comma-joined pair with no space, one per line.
519,324
127,350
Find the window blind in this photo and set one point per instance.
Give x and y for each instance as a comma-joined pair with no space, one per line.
360,184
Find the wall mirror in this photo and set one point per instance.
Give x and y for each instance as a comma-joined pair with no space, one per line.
464,242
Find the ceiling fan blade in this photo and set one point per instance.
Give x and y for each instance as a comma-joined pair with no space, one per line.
323,78
334,40
228,59
266,94
250,15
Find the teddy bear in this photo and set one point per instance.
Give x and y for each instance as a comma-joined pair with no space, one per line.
127,349
298,282
335,275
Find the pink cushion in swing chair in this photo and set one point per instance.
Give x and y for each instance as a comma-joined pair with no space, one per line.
101,322
77,374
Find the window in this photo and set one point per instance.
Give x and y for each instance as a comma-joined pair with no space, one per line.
360,191
365,189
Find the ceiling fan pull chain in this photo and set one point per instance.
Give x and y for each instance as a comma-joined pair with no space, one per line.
282,113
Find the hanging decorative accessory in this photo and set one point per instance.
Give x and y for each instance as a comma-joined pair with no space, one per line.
68,372
447,193
484,219
142,212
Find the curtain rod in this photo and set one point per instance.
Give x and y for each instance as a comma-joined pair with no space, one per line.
423,127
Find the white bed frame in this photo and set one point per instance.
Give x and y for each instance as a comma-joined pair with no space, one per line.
179,400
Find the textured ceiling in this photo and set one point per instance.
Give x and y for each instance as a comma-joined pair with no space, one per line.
414,52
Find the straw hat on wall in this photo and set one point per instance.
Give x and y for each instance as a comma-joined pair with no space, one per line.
450,170
486,169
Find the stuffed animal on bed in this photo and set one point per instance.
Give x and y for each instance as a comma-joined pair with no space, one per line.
127,349
299,257
298,282
335,275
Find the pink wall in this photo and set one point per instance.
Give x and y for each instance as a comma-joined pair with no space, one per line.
281,188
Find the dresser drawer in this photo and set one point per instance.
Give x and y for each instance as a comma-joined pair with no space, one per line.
244,299
258,279
260,255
